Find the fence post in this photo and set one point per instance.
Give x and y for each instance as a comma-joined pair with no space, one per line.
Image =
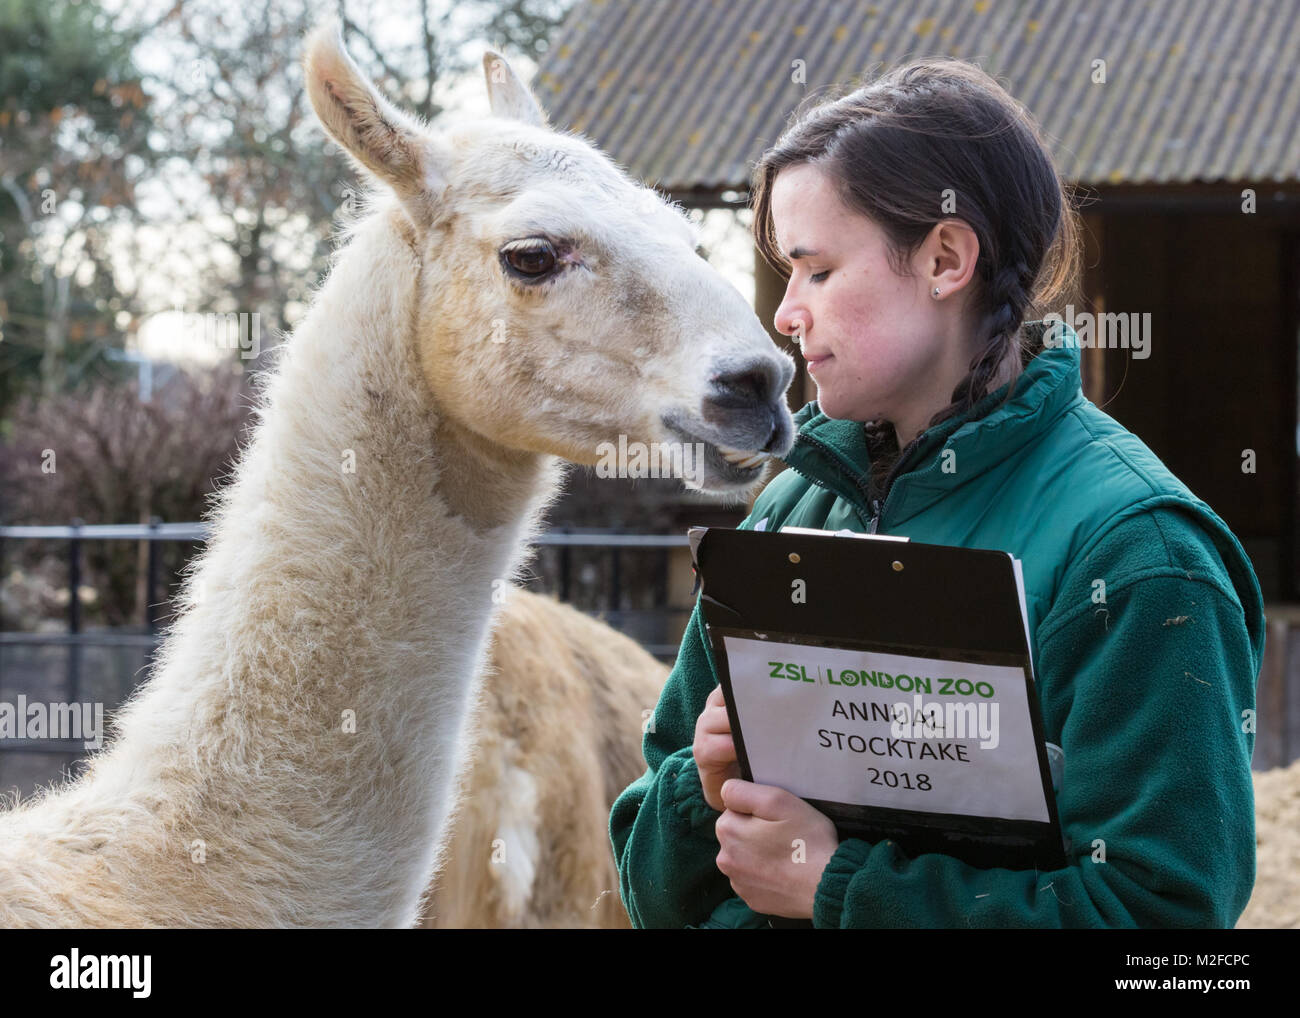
564,568
151,577
74,611
661,580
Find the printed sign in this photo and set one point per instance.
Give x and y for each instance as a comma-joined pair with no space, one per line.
887,730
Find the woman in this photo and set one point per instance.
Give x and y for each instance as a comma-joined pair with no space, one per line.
920,221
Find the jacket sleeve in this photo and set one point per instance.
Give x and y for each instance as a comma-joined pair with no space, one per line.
1149,691
660,826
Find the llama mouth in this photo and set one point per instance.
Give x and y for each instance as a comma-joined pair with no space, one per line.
729,462
740,457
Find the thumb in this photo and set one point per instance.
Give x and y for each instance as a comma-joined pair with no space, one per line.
739,795
767,802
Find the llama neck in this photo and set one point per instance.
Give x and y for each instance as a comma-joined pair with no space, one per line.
315,689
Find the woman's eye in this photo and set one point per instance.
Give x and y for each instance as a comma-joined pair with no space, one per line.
817,277
529,259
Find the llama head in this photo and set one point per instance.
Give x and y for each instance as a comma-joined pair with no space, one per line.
563,307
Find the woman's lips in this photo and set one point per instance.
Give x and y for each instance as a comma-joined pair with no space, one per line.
816,362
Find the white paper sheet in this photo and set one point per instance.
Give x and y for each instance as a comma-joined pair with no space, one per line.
820,729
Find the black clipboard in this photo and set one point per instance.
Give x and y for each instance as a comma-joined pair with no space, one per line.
744,577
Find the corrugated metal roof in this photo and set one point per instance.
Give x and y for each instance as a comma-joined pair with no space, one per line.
688,93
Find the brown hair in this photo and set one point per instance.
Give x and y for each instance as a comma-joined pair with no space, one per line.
896,147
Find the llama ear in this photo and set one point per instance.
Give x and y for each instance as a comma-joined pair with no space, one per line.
377,135
508,96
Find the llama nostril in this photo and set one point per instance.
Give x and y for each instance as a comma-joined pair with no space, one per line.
753,385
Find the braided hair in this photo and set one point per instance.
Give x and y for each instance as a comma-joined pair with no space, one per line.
932,135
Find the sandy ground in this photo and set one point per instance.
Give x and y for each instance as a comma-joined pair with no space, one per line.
1275,902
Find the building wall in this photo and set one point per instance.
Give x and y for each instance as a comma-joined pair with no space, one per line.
1219,378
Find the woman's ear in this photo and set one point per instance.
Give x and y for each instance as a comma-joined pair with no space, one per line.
380,138
951,253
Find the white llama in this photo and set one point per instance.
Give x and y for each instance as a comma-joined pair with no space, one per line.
512,299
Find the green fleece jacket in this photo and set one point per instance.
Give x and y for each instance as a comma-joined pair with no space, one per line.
1147,634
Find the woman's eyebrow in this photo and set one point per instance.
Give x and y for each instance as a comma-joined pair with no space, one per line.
802,252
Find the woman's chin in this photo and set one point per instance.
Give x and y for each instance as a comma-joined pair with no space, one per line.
829,405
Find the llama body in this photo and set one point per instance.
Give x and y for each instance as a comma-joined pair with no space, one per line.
555,740
292,759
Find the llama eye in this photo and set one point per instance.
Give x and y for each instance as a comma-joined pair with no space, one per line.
529,259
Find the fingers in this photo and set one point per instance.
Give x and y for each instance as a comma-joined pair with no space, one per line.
713,751
713,743
765,801
713,718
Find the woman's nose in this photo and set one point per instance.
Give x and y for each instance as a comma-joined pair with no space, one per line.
791,320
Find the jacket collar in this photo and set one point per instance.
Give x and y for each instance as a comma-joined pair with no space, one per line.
834,452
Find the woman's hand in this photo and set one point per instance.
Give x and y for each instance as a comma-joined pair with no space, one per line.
774,848
713,749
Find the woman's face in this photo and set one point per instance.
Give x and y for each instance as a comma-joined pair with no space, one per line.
877,345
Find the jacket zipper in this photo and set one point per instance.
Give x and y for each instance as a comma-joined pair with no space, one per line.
865,502
876,507
873,505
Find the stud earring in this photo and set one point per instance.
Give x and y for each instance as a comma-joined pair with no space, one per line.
936,292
